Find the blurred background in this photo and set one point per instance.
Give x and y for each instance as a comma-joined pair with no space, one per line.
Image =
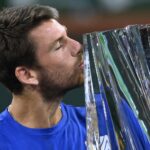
83,16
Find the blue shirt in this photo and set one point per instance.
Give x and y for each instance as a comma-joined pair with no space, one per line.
68,134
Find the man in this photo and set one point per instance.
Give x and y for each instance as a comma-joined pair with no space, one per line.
39,63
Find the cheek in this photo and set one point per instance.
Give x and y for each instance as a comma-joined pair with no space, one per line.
60,62
65,64
61,69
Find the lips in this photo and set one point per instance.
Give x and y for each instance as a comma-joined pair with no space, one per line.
81,65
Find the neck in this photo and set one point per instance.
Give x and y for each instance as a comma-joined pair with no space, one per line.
34,112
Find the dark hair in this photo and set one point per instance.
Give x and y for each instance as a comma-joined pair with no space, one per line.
16,48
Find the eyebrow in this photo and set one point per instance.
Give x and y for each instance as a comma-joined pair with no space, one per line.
65,28
58,39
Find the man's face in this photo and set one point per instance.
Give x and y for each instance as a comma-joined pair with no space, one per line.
59,56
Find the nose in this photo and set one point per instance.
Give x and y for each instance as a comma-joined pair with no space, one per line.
76,48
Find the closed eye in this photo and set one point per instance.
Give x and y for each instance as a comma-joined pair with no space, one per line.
59,45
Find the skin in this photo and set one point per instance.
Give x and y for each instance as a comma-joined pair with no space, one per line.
60,58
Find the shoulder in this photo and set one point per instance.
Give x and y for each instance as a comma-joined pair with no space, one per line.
3,122
75,110
75,113
3,116
4,142
3,136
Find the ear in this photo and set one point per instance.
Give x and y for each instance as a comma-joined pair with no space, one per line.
26,76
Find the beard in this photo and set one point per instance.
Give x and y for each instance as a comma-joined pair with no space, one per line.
54,84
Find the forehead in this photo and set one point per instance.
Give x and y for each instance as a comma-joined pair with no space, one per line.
47,31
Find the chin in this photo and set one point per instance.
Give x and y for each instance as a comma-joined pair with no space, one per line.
76,84
81,79
79,82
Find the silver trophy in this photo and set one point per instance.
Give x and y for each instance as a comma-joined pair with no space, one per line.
117,88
